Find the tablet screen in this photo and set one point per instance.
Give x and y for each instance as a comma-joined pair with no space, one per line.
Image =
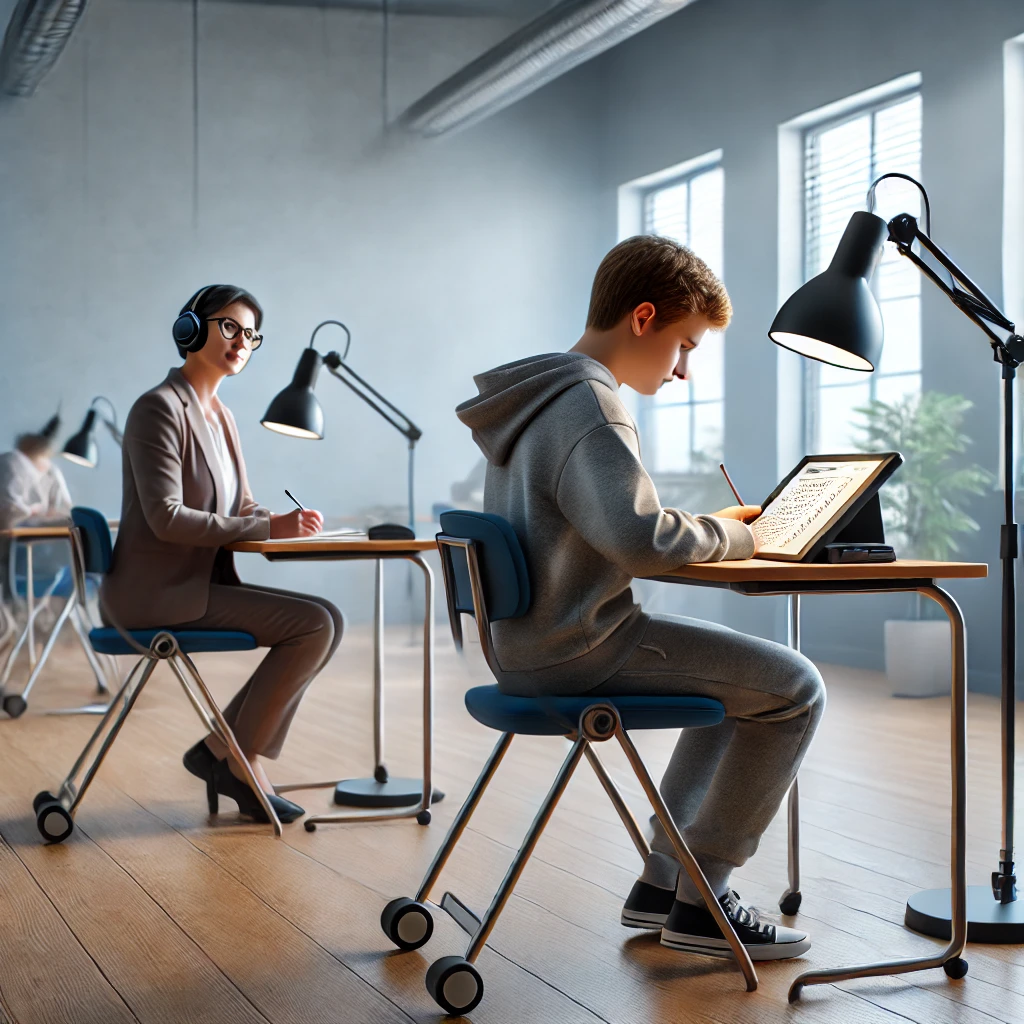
814,496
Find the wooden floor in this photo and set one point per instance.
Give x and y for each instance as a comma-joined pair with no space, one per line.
154,912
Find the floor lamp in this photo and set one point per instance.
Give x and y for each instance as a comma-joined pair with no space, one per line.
296,412
834,318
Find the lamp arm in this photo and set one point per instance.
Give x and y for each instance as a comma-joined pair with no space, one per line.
962,292
385,409
110,405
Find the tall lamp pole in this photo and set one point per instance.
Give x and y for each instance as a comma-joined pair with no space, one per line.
835,319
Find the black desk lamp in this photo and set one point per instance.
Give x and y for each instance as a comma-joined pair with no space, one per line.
81,448
296,412
835,319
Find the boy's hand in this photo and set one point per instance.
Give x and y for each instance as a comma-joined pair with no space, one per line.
744,513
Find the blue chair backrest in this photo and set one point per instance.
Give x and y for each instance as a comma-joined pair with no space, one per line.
506,582
97,547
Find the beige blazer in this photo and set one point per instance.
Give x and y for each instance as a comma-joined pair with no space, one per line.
174,523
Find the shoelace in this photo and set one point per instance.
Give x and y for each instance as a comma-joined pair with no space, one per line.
748,917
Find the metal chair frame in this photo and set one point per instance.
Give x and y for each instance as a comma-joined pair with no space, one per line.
15,703
598,723
164,647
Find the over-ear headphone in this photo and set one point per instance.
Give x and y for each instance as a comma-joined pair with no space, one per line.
189,331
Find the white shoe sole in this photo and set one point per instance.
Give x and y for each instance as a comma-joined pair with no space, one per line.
639,919
719,947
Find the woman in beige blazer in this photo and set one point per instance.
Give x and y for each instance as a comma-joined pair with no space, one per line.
185,497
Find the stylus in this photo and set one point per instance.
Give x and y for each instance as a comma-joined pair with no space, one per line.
721,466
302,508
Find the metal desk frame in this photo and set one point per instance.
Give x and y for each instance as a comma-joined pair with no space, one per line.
421,809
950,958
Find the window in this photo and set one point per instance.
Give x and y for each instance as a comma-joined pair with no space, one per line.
841,159
683,424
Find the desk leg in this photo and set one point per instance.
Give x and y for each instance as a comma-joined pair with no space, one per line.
30,598
789,901
949,959
404,798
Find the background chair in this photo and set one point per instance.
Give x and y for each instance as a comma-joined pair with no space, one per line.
61,587
485,576
91,553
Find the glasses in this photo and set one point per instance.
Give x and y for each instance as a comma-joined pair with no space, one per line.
232,328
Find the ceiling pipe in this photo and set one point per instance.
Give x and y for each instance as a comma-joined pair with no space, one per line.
36,36
565,36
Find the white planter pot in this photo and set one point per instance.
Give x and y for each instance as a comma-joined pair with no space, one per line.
918,658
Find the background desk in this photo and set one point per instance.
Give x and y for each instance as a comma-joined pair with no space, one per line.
405,797
758,576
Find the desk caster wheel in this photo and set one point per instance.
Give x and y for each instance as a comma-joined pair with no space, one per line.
52,819
309,826
455,985
790,903
956,968
406,923
15,705
423,818
380,774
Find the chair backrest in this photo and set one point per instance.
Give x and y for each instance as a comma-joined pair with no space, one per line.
499,556
97,548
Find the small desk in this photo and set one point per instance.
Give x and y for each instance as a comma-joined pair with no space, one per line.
757,577
14,704
405,797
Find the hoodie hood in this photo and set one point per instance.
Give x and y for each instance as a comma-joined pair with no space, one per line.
510,396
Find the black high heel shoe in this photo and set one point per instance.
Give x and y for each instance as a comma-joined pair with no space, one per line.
200,761
227,784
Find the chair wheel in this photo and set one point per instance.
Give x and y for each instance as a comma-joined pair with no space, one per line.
423,818
46,797
955,968
15,704
790,903
380,774
406,923
52,819
455,984
309,826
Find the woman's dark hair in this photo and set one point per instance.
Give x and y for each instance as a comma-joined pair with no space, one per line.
215,298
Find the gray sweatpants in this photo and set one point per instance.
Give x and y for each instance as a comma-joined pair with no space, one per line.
723,784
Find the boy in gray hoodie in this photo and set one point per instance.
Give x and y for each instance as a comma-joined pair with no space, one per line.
564,468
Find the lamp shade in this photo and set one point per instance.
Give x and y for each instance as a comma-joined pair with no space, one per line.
834,318
295,411
81,448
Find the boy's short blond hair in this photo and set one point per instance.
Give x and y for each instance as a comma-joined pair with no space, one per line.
650,268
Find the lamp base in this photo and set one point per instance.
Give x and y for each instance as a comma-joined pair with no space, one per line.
928,912
371,793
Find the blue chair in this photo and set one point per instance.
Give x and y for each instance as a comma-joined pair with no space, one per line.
61,586
485,576
91,554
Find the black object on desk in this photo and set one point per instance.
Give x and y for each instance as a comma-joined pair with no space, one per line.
390,531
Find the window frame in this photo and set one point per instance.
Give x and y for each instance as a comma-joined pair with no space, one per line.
647,407
811,369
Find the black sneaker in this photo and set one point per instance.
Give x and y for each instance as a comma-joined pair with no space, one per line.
647,906
694,929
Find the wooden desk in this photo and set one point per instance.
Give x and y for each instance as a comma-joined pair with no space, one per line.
757,576
405,797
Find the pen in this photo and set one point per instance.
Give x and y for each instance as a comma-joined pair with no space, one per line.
721,466
302,508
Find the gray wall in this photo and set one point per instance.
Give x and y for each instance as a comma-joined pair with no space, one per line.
727,73
444,257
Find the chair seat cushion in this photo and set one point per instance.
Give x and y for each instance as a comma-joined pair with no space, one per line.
191,641
556,716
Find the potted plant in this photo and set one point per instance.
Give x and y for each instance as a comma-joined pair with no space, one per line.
924,507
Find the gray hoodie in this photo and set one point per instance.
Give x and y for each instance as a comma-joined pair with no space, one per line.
563,467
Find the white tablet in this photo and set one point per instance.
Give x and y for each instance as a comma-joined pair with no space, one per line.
817,501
